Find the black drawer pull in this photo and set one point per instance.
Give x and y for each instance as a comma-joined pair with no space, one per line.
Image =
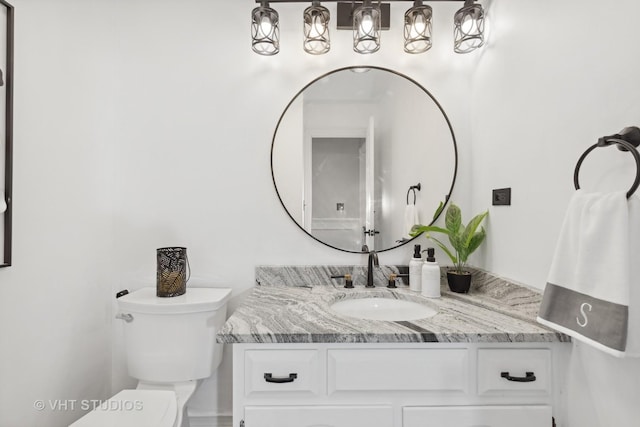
270,379
530,377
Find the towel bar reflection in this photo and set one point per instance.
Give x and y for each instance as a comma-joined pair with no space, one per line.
627,140
413,188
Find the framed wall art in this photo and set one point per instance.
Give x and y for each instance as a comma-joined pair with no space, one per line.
6,129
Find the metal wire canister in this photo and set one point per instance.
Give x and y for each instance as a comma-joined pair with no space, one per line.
173,271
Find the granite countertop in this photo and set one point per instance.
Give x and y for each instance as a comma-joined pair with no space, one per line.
297,310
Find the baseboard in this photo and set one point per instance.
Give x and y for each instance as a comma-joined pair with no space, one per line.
211,421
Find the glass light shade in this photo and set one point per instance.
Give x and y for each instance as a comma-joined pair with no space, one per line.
316,29
366,28
468,28
417,28
265,30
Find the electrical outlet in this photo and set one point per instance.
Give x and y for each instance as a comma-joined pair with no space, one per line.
501,197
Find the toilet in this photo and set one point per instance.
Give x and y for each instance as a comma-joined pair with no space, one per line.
170,344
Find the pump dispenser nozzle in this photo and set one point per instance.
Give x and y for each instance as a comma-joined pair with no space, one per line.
431,255
416,252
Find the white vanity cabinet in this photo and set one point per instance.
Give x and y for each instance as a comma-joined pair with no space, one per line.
398,385
318,416
477,416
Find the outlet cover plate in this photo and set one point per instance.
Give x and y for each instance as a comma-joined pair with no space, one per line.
501,197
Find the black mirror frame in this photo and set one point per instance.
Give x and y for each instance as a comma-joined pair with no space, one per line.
8,137
453,136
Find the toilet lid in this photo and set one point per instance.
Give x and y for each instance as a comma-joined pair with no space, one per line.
133,408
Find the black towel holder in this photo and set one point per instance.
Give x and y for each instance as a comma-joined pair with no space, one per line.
413,188
627,140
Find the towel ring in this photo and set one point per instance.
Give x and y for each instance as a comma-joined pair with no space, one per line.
413,188
622,145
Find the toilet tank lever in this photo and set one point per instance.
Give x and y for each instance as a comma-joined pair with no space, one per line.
125,316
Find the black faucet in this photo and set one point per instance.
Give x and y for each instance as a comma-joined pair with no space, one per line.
371,262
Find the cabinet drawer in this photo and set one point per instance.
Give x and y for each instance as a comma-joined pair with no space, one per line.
492,363
318,416
269,371
477,416
399,370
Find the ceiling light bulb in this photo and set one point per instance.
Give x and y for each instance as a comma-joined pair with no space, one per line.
367,24
265,25
265,30
417,28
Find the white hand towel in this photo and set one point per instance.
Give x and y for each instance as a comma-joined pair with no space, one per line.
587,293
410,218
633,330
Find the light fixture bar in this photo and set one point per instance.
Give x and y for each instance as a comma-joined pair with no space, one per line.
346,1
366,19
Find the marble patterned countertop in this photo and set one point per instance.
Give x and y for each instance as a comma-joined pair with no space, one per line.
292,305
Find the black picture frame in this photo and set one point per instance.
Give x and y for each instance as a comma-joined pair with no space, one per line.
6,68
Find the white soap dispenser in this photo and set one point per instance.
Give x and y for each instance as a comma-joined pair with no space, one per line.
415,270
430,279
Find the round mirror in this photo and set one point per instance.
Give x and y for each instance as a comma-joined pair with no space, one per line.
361,154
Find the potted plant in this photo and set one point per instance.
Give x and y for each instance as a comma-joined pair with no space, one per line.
464,241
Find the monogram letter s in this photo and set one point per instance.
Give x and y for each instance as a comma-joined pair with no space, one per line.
582,312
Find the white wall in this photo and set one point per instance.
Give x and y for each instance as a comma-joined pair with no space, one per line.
141,123
55,336
197,111
147,123
288,161
554,78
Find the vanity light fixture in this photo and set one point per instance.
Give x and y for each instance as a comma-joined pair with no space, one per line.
265,30
366,19
417,28
316,29
468,27
366,27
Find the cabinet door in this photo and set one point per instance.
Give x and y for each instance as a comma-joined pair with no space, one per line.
477,416
318,416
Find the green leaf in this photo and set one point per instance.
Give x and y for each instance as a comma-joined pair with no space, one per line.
416,230
419,229
476,240
438,211
463,255
453,219
471,228
446,250
456,239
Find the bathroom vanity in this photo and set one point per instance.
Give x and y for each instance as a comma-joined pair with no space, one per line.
481,360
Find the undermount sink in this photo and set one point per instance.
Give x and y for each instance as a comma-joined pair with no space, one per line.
383,309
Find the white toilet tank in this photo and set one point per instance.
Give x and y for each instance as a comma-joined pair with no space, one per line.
173,339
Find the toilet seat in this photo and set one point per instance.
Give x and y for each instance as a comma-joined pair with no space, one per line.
134,408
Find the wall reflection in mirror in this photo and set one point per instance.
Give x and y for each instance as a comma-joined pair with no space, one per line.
348,148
